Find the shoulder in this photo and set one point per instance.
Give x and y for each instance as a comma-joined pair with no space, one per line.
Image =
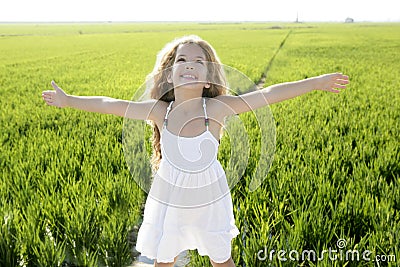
158,110
158,106
218,100
234,105
224,98
223,105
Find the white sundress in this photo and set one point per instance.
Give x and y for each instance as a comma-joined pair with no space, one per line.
189,205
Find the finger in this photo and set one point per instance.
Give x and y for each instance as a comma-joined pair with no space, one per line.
340,86
342,81
343,78
340,75
47,98
55,86
334,91
47,92
48,95
48,102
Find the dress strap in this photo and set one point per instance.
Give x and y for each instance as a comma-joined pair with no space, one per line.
205,113
167,113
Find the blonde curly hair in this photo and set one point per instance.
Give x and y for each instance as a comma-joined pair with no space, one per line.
160,89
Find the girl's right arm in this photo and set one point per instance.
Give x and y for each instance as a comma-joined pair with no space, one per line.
146,110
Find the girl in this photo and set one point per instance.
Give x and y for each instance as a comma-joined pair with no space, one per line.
189,204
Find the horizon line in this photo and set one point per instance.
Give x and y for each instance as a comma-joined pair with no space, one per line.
197,21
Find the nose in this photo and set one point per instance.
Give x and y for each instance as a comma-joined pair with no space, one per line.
189,66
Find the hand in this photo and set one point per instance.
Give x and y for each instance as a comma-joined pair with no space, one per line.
56,98
328,82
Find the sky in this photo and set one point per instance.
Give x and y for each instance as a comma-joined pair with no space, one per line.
203,10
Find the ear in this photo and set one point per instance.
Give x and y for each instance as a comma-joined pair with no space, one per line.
169,78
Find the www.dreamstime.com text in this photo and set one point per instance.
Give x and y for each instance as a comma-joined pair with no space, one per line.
338,254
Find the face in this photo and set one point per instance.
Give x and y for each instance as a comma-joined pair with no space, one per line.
190,67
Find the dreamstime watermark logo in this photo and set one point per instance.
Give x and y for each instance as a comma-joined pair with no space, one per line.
189,174
340,253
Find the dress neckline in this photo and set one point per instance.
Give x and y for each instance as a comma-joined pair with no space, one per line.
206,122
165,129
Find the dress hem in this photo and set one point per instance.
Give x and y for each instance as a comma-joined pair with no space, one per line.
202,251
151,257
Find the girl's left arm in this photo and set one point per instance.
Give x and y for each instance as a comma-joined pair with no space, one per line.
280,92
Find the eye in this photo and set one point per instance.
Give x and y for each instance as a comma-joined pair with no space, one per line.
200,61
181,59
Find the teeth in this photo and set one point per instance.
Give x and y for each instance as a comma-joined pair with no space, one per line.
188,76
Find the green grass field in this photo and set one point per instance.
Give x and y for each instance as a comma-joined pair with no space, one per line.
67,197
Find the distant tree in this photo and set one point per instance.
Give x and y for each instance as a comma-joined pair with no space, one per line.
349,20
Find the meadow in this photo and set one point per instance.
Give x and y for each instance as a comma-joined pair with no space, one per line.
67,197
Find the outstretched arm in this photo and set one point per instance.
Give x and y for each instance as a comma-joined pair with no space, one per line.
101,104
280,92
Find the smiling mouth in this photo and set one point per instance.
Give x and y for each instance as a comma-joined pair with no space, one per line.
189,76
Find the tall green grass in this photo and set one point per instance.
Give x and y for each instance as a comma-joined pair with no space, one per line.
336,169
66,194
